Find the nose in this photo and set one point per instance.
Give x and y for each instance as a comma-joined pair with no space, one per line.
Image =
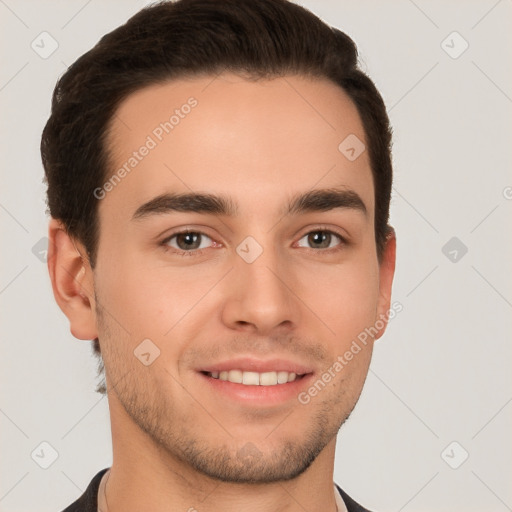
260,296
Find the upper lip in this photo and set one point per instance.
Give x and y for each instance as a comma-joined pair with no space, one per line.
248,364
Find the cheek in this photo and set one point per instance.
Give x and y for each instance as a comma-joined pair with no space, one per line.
344,297
149,300
126,292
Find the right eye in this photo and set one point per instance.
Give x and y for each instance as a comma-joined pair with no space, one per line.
187,242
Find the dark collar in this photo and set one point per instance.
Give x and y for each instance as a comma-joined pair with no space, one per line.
88,502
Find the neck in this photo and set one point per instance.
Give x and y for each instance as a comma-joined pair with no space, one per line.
142,477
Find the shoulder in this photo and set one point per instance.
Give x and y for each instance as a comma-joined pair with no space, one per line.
352,506
88,502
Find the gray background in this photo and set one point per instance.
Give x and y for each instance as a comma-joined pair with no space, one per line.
442,371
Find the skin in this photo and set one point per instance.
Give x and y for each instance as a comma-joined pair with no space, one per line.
175,442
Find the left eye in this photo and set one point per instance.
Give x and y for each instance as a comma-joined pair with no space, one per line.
321,238
188,241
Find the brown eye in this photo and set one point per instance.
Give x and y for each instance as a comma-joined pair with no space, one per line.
188,241
321,239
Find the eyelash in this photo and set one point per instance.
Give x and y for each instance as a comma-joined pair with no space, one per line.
199,252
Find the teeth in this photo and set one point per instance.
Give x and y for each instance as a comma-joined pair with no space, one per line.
282,377
255,378
249,378
268,379
235,376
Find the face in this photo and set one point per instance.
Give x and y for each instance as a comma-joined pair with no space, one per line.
250,283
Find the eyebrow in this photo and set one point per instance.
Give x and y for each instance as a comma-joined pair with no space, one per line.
319,200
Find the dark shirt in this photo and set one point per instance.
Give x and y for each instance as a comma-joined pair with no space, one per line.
88,502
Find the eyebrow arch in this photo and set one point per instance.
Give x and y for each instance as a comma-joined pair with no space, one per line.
189,202
323,200
319,200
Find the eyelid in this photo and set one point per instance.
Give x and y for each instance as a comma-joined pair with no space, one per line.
329,229
192,228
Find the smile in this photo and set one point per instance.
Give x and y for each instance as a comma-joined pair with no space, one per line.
254,378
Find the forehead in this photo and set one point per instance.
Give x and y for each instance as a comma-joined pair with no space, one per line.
258,139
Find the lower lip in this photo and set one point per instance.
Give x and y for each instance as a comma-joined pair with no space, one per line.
259,395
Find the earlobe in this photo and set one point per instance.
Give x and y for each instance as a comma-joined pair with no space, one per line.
72,281
386,274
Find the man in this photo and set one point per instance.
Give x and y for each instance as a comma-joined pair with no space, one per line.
219,178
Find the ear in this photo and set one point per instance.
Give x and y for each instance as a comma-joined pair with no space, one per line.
386,274
72,281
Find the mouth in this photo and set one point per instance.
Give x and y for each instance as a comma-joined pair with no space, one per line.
249,378
253,382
